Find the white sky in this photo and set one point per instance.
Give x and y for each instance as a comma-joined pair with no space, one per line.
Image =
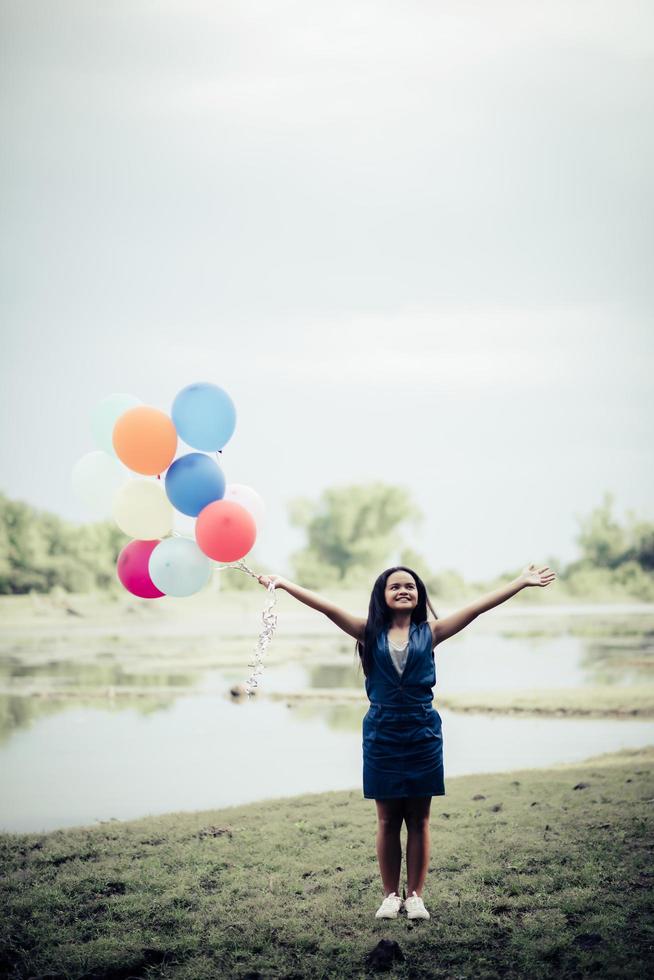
413,240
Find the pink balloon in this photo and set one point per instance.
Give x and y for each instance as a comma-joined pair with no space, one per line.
132,568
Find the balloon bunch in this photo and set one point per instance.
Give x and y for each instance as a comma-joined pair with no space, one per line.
134,437
158,562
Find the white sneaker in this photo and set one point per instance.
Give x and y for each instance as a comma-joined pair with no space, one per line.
415,908
389,907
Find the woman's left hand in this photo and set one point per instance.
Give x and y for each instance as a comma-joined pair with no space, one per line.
537,576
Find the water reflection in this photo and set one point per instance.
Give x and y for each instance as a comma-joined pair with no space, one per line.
76,673
19,712
615,663
341,675
337,717
496,662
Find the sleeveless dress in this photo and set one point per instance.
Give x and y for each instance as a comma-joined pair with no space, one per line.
402,731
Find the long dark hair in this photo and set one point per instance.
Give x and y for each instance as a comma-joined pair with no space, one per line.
380,615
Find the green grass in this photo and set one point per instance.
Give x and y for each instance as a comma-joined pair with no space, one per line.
532,875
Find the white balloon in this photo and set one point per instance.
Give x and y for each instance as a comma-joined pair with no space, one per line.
184,524
142,510
104,417
178,567
95,479
248,498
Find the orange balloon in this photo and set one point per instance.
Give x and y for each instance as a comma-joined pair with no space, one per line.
225,531
145,440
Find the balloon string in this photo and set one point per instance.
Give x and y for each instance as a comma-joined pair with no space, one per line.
269,619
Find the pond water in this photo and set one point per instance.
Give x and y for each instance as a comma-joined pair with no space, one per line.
88,764
68,761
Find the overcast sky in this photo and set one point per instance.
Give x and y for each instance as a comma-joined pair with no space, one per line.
413,240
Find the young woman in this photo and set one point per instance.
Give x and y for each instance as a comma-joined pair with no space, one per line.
402,738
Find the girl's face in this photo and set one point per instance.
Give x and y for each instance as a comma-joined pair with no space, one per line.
401,591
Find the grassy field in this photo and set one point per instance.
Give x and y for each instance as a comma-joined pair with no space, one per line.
538,873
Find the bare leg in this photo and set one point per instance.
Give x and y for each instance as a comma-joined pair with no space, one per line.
389,849
416,816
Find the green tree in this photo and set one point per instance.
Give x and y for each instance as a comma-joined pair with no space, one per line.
447,584
351,532
39,551
413,559
601,539
640,537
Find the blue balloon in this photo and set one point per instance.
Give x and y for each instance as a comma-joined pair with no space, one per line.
192,482
178,567
204,416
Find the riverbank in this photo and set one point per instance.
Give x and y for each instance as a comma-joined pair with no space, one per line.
538,873
599,702
585,702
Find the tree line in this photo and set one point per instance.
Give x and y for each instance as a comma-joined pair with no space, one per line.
351,533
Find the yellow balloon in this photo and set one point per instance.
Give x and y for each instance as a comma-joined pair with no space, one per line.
142,510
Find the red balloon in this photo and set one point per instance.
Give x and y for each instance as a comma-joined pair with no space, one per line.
132,568
225,531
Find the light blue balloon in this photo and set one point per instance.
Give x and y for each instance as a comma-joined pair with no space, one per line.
204,416
178,567
104,416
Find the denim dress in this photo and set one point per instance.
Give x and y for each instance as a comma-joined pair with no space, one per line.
402,735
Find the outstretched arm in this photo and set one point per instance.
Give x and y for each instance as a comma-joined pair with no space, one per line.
442,629
352,625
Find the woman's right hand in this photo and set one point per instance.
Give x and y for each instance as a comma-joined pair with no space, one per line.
265,580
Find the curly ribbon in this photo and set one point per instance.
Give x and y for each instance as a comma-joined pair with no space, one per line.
269,623
265,636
